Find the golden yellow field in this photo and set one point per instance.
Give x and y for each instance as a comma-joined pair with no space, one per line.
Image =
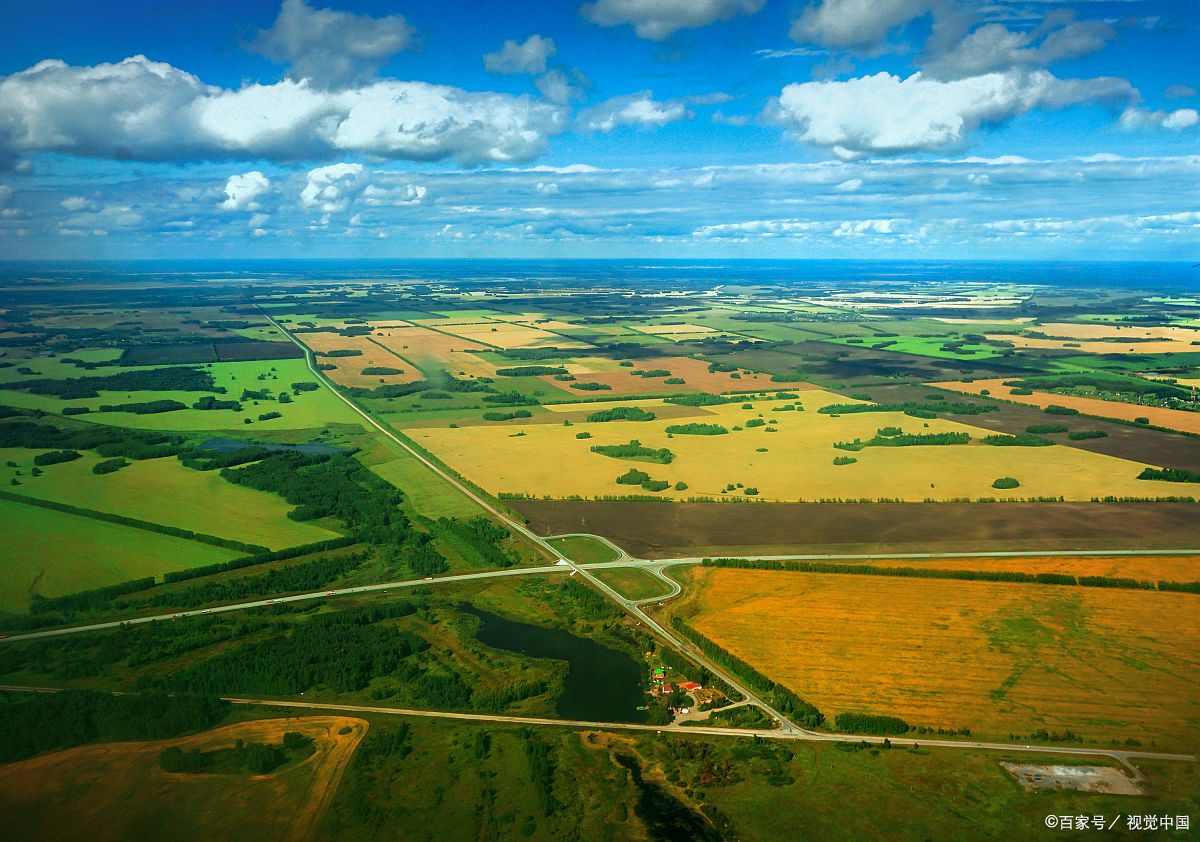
1090,338
797,463
997,658
1173,419
1169,568
509,335
349,369
434,351
117,791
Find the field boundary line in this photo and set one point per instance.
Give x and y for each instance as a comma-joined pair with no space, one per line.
138,523
1120,756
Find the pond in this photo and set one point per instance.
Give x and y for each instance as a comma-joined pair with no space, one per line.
220,445
602,684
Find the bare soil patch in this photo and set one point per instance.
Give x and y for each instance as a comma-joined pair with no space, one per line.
118,791
673,530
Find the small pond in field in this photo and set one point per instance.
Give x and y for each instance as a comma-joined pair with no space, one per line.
602,684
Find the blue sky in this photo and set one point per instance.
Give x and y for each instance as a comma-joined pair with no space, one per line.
670,128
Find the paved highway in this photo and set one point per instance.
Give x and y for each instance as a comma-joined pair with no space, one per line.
655,567
1125,757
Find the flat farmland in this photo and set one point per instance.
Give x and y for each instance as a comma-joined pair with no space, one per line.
1169,568
508,335
694,373
1140,444
434,351
118,791
997,658
307,410
53,553
163,491
1107,339
680,530
787,457
349,371
1172,419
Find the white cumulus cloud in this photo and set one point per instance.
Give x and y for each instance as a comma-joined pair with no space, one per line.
328,188
884,114
658,19
528,56
397,196
243,190
1177,120
996,47
145,110
856,24
640,110
330,47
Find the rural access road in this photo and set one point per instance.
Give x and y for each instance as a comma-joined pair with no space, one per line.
655,567
538,541
1126,758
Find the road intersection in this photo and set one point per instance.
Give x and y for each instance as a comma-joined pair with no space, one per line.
564,566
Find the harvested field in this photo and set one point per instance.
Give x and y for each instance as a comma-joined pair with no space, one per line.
349,371
1172,419
508,335
1140,444
674,530
787,456
236,352
997,658
118,791
695,374
853,366
1168,568
1099,338
433,351
209,352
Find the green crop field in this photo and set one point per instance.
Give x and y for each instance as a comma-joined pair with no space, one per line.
163,491
52,553
308,410
425,491
633,583
584,550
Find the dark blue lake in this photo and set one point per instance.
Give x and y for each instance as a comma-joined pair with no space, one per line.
602,684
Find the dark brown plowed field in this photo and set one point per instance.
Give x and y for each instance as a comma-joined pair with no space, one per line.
669,530
829,364
209,352
1154,447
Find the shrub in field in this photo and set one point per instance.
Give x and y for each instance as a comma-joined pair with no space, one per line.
1170,475
622,413
635,450
109,466
1019,440
1040,429
697,429
1006,482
